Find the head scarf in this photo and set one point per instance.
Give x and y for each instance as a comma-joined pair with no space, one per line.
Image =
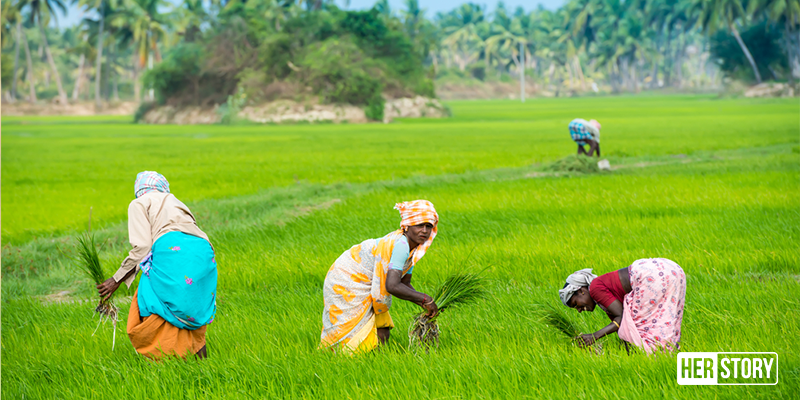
595,123
577,280
418,212
147,181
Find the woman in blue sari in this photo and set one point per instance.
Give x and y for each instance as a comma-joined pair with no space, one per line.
176,297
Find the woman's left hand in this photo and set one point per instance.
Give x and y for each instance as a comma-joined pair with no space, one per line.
587,339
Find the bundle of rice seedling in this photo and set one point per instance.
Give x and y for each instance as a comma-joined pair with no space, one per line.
557,319
89,263
575,163
458,289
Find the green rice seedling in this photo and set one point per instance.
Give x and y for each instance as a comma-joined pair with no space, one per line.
555,318
89,263
558,320
575,163
730,221
458,289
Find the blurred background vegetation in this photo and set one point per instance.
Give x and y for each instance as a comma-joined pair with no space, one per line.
201,52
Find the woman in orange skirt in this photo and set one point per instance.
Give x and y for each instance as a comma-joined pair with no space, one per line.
176,297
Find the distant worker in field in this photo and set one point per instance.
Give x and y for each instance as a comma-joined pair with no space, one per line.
359,286
644,302
176,297
584,133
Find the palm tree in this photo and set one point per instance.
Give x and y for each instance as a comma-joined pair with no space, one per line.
462,28
579,33
103,8
42,10
383,7
413,16
11,16
786,13
81,64
191,16
716,14
147,26
14,11
507,42
31,83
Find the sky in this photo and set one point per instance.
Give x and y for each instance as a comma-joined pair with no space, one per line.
74,16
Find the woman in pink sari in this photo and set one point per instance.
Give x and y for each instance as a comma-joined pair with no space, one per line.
644,302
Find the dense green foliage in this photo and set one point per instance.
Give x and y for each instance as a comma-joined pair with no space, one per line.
708,183
350,57
763,41
269,48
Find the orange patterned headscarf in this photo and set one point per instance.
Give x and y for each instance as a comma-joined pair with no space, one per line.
414,213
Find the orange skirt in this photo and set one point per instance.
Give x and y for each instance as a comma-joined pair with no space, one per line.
156,338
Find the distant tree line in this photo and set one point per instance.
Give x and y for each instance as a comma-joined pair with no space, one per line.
202,52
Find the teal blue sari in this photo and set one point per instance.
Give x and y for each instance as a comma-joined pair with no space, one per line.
179,281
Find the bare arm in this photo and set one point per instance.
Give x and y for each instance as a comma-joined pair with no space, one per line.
141,240
615,313
401,287
407,281
403,290
107,288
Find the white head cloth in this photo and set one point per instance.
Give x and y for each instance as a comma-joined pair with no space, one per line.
577,280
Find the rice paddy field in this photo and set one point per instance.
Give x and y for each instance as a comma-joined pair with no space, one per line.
713,184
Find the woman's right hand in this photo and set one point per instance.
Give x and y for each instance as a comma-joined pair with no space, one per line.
107,288
429,305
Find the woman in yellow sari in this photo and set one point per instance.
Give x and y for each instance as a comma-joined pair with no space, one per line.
359,286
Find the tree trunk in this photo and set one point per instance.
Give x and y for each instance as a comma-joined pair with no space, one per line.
77,89
679,59
569,72
109,59
579,72
654,74
463,60
623,73
31,84
16,61
137,87
116,87
667,64
151,92
792,44
796,46
99,62
747,54
62,95
700,65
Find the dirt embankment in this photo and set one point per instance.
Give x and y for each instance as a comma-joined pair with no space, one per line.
288,111
21,108
770,89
